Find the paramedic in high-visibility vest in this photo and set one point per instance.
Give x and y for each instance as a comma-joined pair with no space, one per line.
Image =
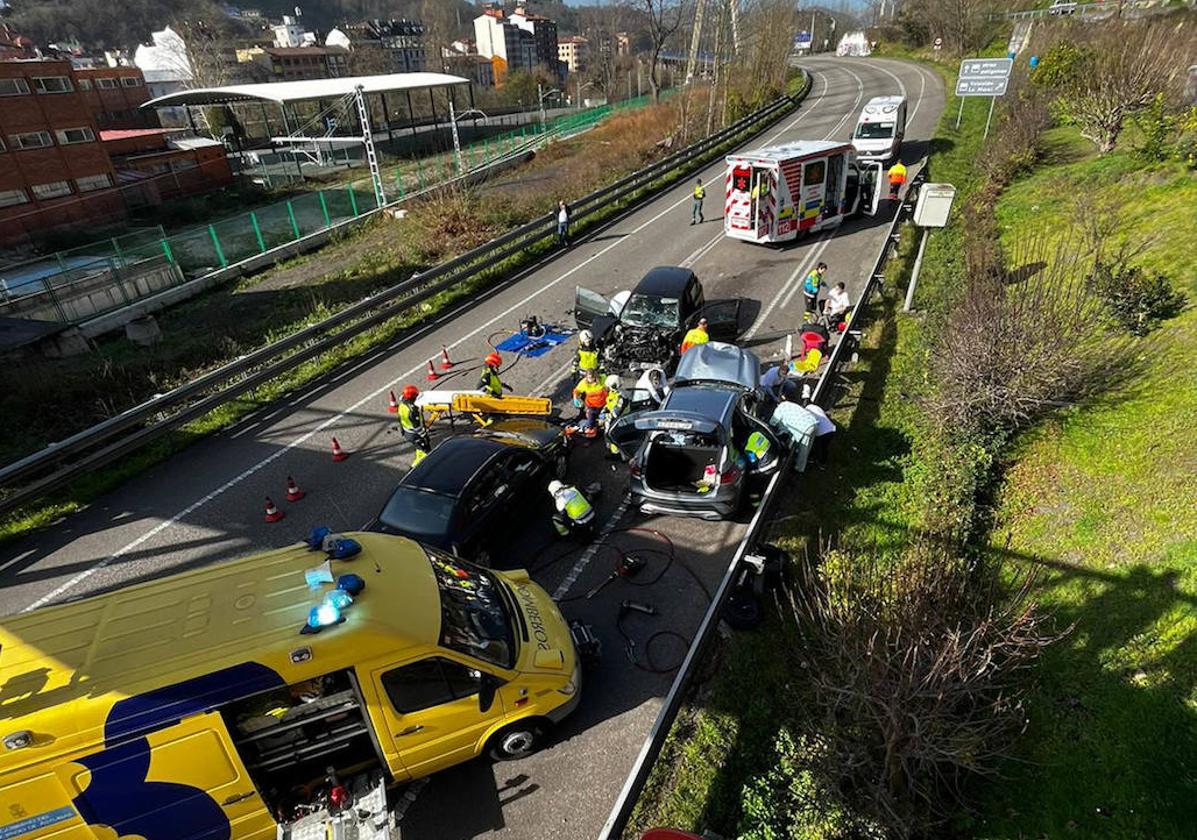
897,177
588,357
411,423
810,290
698,335
700,192
572,513
590,398
489,383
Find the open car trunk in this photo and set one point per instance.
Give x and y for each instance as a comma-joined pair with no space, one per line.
678,463
301,741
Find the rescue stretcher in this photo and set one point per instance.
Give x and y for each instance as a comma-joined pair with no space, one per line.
450,405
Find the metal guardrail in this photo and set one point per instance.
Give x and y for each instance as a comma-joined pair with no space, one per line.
634,784
1081,9
155,417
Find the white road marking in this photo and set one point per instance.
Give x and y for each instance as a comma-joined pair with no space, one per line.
818,252
802,269
330,421
591,550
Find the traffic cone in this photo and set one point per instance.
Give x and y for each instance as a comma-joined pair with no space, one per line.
294,494
273,514
432,374
393,404
338,453
446,362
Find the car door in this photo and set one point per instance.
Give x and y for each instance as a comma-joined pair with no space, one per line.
746,425
589,305
432,711
524,469
872,183
627,435
723,319
482,502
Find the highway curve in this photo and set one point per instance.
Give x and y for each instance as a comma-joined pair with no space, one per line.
205,504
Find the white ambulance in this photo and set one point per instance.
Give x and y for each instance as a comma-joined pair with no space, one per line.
880,129
776,193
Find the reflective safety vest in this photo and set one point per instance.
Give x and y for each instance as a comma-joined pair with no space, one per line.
614,398
573,504
700,192
593,394
756,447
411,419
812,282
587,359
694,336
490,383
897,173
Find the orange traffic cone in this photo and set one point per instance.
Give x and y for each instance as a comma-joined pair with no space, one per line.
446,362
273,514
432,374
294,494
338,453
393,404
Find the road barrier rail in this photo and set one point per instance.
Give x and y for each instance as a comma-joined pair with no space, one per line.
824,395
54,466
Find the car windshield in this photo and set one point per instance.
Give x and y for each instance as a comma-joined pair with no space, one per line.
474,617
875,131
650,311
418,513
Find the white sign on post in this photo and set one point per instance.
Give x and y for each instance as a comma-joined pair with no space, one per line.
983,77
930,211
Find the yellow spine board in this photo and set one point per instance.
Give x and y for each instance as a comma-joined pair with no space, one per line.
479,404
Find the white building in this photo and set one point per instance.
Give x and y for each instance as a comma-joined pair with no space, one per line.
289,33
574,52
508,46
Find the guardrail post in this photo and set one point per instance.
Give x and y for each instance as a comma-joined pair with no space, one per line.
253,220
352,202
294,224
216,244
324,209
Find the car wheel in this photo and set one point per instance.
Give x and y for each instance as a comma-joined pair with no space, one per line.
519,740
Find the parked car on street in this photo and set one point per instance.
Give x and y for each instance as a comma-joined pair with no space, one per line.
471,488
689,456
644,327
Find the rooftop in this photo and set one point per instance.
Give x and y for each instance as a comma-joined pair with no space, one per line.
306,90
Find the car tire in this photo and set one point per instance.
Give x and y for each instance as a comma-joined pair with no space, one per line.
519,740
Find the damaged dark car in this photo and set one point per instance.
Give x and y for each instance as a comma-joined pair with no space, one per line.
644,327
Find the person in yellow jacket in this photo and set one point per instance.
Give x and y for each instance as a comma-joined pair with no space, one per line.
572,512
590,398
700,192
588,354
411,423
698,335
490,383
897,177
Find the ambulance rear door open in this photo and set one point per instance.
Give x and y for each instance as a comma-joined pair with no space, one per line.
749,202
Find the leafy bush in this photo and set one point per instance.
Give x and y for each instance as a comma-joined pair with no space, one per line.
1062,64
1136,299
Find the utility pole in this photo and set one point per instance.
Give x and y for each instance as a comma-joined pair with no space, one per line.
456,141
363,114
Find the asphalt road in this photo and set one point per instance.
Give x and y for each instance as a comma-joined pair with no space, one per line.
205,504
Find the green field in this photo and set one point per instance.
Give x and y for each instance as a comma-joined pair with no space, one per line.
1103,499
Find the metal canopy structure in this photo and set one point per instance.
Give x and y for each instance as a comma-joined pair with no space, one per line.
307,90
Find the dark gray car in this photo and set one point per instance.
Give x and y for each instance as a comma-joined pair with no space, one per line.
688,457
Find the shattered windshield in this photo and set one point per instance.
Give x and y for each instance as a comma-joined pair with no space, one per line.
474,617
649,311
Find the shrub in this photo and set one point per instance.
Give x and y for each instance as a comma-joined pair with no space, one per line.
1136,299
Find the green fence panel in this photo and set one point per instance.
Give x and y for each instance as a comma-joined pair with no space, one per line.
364,197
339,206
309,215
275,224
237,238
195,252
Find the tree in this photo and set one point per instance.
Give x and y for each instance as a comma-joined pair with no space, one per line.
1124,67
663,18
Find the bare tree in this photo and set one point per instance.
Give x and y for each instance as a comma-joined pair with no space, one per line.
915,667
1124,68
663,18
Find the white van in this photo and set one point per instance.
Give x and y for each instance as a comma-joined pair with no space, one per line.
880,129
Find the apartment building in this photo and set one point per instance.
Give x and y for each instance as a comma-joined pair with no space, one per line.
288,64
574,52
114,96
51,157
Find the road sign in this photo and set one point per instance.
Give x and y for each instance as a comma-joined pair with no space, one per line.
802,40
981,87
933,205
986,68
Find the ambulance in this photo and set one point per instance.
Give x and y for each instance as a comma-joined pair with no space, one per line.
275,696
776,193
880,129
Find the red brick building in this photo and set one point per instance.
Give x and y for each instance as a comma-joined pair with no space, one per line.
53,168
65,153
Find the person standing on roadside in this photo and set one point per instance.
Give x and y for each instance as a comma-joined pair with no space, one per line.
562,223
810,291
897,177
700,192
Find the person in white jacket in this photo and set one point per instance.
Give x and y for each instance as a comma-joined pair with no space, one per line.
838,304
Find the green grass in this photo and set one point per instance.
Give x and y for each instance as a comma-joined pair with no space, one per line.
1103,499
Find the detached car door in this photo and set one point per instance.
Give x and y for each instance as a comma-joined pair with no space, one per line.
588,306
723,319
